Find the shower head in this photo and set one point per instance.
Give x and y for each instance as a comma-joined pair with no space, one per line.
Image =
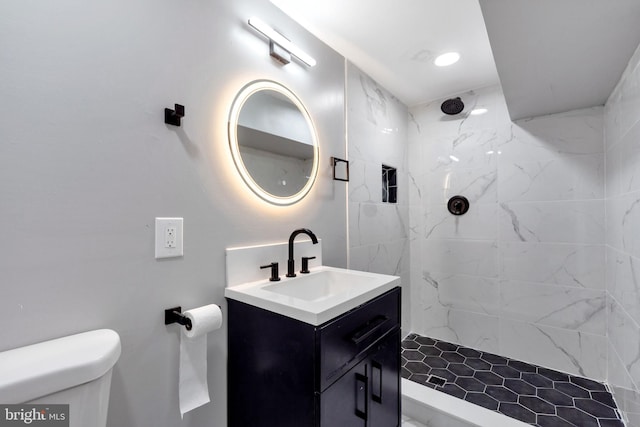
452,106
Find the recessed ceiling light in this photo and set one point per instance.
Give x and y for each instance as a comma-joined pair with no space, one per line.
447,59
478,111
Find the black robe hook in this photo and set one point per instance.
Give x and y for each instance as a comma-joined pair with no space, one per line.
172,117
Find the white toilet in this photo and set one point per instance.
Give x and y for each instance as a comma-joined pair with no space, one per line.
74,370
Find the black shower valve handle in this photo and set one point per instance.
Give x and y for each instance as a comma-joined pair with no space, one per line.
458,205
275,276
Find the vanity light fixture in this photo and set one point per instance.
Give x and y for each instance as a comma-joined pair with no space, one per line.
280,47
446,59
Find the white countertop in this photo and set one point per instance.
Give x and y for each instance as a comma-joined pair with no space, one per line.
317,297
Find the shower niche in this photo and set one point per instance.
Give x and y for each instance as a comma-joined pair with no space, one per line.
389,184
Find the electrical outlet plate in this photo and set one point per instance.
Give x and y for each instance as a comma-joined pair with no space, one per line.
169,232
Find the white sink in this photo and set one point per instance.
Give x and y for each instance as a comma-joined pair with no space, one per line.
316,297
321,284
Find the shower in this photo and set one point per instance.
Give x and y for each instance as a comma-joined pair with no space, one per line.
452,106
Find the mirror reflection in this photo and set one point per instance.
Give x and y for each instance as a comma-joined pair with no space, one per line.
273,142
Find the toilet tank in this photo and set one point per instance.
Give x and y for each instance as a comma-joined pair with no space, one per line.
74,370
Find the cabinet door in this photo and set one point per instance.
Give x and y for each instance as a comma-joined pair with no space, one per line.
384,384
346,402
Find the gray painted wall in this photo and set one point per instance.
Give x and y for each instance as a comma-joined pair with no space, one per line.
86,164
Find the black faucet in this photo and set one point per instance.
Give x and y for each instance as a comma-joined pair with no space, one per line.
290,262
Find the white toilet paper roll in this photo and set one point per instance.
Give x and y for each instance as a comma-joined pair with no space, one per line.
203,320
193,387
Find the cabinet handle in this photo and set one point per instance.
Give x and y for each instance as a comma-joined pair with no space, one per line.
362,393
376,396
367,330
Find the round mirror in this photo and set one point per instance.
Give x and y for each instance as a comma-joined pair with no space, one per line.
273,142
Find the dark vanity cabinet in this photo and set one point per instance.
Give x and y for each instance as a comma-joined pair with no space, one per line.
344,373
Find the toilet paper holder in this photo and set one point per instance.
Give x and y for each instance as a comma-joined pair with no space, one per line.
174,315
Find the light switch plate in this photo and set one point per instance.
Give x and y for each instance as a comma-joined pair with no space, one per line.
169,232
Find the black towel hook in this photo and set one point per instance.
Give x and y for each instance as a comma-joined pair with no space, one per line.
173,117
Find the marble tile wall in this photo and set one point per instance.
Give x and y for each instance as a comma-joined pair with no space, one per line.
522,273
622,144
376,135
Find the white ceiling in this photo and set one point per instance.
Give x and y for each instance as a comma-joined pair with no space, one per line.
552,55
395,42
560,55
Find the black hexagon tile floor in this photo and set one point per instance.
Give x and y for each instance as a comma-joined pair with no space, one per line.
533,394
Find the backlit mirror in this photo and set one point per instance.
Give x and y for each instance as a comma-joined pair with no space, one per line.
273,142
